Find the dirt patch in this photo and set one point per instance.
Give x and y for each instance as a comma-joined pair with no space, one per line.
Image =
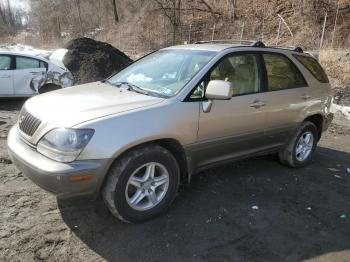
342,96
89,60
336,129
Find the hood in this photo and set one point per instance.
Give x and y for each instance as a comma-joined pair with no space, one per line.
57,57
70,106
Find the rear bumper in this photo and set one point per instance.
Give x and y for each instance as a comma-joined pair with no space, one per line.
53,176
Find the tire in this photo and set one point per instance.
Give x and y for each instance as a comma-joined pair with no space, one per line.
48,88
118,191
289,155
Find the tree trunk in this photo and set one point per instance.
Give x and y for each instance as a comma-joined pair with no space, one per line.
99,13
3,16
11,19
77,2
59,29
115,10
174,22
233,9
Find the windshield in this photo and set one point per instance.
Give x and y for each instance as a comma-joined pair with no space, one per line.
164,72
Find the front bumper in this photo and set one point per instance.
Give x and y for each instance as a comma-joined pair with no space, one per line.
53,176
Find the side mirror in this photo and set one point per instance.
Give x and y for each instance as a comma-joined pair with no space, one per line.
219,90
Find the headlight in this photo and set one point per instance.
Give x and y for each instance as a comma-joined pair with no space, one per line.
64,144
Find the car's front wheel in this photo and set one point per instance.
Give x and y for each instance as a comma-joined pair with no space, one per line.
142,183
301,147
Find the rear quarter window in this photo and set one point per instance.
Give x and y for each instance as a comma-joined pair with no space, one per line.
313,67
282,73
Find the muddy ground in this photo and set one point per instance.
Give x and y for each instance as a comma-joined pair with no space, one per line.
299,214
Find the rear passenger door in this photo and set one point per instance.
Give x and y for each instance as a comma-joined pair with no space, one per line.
286,96
26,70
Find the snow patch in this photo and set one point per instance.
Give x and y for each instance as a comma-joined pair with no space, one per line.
25,49
343,110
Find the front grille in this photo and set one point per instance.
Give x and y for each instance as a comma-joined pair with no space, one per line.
28,123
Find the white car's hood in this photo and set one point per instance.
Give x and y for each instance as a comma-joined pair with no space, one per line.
71,106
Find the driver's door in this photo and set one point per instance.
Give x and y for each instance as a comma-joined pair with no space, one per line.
236,127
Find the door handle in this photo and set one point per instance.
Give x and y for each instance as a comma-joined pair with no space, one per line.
305,97
257,104
5,77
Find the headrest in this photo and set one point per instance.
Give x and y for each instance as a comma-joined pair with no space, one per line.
243,71
226,67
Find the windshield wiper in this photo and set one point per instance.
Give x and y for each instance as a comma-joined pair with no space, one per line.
135,88
131,87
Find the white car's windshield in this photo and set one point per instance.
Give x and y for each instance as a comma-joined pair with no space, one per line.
164,72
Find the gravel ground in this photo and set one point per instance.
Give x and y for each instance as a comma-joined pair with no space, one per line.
253,210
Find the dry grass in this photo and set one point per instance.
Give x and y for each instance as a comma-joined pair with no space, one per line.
337,64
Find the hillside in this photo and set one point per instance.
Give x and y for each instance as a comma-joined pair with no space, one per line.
148,25
139,26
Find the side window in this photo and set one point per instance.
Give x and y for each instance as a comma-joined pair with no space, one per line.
314,67
199,91
27,63
5,62
282,73
241,70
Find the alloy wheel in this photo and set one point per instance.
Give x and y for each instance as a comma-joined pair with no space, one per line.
147,186
304,146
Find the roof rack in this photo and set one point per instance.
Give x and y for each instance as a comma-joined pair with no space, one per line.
292,48
230,41
251,43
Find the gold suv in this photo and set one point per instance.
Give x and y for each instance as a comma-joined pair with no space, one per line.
136,135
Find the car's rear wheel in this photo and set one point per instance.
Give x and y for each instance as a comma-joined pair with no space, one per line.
142,183
301,147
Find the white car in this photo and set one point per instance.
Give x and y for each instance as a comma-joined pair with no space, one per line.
26,73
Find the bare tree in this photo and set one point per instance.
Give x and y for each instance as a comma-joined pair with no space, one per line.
233,8
209,8
171,9
77,3
3,16
10,19
10,14
335,23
